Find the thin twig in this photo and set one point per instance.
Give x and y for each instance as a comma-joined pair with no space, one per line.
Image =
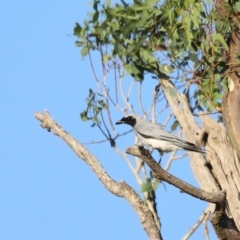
153,106
205,113
140,99
115,104
168,119
135,172
172,158
115,83
163,109
95,142
105,126
105,140
122,93
205,223
94,73
169,162
130,90
198,223
108,106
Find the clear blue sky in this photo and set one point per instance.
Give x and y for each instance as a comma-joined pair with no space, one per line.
46,192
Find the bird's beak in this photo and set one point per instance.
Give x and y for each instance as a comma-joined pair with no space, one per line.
119,122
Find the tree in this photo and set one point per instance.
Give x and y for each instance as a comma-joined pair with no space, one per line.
191,50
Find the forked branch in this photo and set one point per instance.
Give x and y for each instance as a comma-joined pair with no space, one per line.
121,189
159,173
219,197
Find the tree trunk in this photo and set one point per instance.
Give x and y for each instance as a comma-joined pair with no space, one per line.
220,169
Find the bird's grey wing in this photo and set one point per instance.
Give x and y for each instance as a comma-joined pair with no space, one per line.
155,131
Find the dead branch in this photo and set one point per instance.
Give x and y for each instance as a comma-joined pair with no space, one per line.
121,189
203,217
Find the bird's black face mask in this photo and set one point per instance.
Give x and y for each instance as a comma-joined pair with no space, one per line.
130,120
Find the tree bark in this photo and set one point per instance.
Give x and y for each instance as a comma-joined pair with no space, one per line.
220,169
231,100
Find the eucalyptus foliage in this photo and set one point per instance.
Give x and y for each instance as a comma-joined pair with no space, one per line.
183,40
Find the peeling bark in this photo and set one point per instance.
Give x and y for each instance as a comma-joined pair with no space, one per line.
223,225
220,169
231,101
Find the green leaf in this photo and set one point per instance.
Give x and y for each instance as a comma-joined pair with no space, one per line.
147,186
91,93
219,37
164,68
96,119
79,43
238,56
148,57
108,3
95,17
193,58
95,5
83,116
84,51
237,6
124,3
175,125
113,25
134,71
102,104
77,30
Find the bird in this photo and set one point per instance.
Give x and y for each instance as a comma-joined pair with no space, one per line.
156,137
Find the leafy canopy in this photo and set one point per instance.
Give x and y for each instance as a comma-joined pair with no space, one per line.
183,40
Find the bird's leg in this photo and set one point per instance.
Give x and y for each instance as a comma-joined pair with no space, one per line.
161,155
150,149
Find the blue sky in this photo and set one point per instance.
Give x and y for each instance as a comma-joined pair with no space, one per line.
46,191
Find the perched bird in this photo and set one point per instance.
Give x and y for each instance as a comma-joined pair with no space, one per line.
155,137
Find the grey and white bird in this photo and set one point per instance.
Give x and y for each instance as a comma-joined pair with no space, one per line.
154,136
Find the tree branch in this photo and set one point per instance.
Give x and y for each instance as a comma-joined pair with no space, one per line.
159,173
203,217
219,219
121,189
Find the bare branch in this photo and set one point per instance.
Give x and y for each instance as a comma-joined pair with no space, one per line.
130,90
168,119
96,142
115,85
115,104
198,223
169,162
140,99
108,106
121,189
159,173
118,151
105,140
153,106
205,222
219,219
95,75
122,92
